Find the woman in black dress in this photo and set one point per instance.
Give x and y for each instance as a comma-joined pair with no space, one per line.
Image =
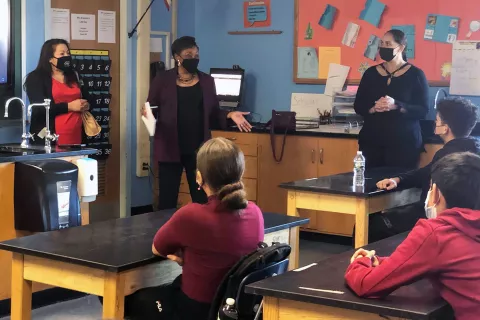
392,98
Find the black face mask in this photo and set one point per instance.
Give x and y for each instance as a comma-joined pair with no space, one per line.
387,54
64,63
191,65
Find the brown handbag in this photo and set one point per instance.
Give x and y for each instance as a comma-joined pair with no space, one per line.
282,121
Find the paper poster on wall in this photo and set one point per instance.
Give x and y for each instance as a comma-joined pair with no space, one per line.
337,75
409,30
372,13
106,26
326,56
351,34
83,26
60,24
465,78
328,17
441,28
309,105
256,14
372,47
307,64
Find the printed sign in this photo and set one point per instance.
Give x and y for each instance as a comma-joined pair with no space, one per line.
256,14
63,199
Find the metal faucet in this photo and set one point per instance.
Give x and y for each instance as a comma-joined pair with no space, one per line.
26,136
445,93
49,137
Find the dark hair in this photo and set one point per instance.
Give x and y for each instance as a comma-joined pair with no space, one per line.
400,38
458,177
44,68
459,114
183,43
221,164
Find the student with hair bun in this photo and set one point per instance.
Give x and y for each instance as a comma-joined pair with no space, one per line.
206,239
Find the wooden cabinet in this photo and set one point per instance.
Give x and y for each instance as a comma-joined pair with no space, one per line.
335,155
427,156
299,162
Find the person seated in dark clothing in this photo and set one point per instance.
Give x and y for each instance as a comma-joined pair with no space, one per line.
455,120
206,239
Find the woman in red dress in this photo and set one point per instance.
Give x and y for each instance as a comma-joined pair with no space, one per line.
55,79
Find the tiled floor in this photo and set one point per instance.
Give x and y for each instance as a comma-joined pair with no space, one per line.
89,308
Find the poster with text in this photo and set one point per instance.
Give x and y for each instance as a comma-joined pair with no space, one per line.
257,14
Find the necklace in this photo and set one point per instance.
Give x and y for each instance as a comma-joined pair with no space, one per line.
186,80
392,74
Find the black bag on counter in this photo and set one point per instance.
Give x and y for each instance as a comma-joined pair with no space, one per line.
282,121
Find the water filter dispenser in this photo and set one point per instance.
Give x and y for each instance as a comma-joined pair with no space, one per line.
45,195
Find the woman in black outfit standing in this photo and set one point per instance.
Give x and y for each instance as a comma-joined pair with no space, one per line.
392,98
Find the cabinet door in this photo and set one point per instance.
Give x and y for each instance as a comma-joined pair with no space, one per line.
299,162
335,155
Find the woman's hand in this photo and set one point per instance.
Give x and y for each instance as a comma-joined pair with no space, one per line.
78,105
362,253
390,103
240,121
388,184
175,258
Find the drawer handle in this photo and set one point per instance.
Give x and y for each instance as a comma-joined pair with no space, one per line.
321,155
313,156
232,139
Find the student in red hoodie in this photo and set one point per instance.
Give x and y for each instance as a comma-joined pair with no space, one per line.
445,248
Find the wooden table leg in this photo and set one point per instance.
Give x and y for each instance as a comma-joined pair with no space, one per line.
270,308
361,223
21,299
113,296
294,232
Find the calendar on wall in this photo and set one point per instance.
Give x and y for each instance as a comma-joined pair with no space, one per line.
93,66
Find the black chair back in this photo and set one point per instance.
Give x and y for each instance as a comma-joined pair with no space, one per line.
247,305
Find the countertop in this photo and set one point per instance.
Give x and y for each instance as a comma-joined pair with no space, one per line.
415,301
114,245
14,153
338,131
342,184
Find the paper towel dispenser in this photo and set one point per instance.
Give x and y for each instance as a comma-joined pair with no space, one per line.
45,195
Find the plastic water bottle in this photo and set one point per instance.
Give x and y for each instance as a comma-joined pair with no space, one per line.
359,170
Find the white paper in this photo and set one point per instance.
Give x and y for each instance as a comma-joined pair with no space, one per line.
308,105
149,120
337,75
60,23
156,45
351,34
465,79
322,290
106,26
83,26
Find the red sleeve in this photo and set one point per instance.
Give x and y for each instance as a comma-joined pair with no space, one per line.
412,260
170,238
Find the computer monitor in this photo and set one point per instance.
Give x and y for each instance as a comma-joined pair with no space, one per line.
229,85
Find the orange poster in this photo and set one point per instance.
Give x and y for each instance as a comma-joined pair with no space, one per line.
257,14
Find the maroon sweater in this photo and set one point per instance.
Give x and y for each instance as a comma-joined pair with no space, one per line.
445,250
211,240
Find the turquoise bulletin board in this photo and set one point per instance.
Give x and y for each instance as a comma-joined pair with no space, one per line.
347,32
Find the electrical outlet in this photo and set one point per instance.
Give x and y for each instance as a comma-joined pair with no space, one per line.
145,166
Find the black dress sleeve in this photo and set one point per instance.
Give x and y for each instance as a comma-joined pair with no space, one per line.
417,108
364,101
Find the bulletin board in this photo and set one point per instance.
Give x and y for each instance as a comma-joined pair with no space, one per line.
434,58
